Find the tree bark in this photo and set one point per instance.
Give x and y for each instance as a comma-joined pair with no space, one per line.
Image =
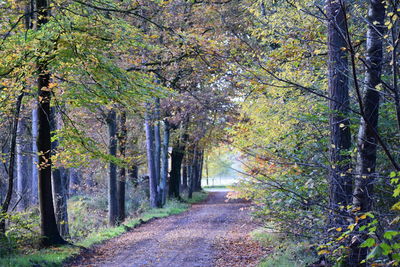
340,179
122,171
23,171
58,183
157,150
177,155
164,158
194,172
150,157
184,174
112,179
74,181
200,171
48,227
35,159
367,143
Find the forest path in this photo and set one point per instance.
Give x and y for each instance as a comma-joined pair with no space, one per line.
212,233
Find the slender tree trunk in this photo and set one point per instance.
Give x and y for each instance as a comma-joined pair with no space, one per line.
23,172
11,165
157,150
340,179
35,159
150,157
177,156
367,143
59,193
60,200
200,171
175,174
164,157
184,174
112,179
194,172
206,163
74,181
122,171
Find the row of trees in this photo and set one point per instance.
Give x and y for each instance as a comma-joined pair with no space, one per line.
116,83
323,116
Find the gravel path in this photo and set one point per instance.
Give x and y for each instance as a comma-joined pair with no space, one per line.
192,239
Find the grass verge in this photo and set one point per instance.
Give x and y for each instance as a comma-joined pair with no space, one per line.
56,256
286,252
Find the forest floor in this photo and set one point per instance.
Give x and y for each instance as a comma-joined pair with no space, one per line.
212,233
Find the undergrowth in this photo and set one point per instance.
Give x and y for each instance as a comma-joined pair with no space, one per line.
287,251
56,256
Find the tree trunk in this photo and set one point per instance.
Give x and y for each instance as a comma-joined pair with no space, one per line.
157,150
49,230
177,156
340,180
112,179
150,157
5,205
122,171
35,159
58,183
23,171
200,171
184,174
367,143
176,164
194,172
74,181
164,167
48,227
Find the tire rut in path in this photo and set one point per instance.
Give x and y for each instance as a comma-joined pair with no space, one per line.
184,240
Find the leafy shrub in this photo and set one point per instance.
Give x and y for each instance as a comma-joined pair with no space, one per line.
23,231
79,222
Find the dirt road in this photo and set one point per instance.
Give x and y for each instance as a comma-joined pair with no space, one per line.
213,233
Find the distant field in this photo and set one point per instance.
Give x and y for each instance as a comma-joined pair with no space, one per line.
216,186
219,181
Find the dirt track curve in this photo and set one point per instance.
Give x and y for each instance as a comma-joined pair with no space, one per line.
212,233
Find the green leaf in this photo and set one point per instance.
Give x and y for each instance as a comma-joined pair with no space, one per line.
390,234
396,192
386,248
372,230
362,228
396,256
368,243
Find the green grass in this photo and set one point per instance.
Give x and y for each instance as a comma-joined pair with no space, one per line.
216,186
46,257
287,252
196,198
56,256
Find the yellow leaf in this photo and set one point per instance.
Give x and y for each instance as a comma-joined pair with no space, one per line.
323,252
